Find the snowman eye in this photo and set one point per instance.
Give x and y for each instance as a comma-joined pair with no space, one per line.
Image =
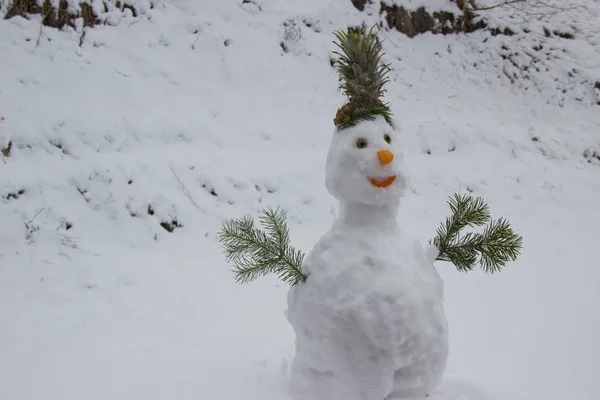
387,138
361,143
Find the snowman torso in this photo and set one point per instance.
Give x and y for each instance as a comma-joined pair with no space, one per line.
369,320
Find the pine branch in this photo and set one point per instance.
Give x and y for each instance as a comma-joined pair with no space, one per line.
363,75
361,71
256,253
367,112
492,249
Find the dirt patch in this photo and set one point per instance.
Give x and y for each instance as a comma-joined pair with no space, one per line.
61,16
57,17
360,4
123,6
564,35
22,8
591,156
412,23
499,31
6,150
89,19
15,195
170,226
415,22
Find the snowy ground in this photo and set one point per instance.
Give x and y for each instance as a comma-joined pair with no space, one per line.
193,113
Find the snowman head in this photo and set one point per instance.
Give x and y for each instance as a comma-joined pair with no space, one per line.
364,164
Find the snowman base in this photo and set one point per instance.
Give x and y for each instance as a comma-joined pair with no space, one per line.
372,326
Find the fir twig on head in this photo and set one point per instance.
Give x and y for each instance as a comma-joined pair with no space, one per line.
363,75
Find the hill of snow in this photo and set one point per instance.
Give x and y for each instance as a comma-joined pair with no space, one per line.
132,144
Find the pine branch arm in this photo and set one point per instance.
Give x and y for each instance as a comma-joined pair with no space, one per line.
257,253
493,248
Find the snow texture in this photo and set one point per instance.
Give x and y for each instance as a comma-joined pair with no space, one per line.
369,320
193,113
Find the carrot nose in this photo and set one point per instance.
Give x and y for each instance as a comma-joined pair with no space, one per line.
385,156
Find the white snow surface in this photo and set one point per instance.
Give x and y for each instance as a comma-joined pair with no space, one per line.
192,113
369,320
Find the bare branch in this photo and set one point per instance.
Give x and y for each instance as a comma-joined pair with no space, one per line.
183,188
530,7
34,217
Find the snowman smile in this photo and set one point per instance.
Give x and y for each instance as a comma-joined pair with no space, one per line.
383,183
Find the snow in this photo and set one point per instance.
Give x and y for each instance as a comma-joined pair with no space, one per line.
157,110
369,320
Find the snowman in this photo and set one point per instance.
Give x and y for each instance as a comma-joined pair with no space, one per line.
366,303
369,320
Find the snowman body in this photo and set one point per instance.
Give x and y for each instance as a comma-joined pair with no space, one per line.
369,320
